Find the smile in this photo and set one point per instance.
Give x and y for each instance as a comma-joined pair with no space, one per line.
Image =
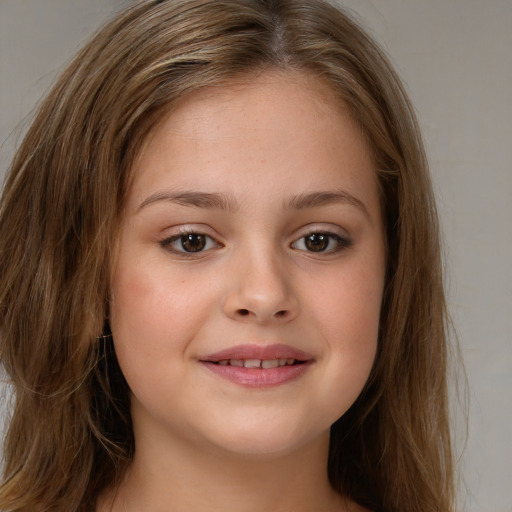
258,363
259,366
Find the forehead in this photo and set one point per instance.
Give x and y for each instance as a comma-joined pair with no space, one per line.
273,124
306,96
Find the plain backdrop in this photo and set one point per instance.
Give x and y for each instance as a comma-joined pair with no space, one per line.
455,57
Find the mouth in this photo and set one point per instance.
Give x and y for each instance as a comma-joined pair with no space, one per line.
259,366
259,363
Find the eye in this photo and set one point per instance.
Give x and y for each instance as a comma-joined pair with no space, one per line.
321,242
189,243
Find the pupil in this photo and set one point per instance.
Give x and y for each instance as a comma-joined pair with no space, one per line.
317,242
193,242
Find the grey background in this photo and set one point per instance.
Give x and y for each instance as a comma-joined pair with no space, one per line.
456,60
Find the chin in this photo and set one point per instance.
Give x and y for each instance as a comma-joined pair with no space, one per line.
266,441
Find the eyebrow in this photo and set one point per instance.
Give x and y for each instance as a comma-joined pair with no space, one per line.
218,201
316,199
213,201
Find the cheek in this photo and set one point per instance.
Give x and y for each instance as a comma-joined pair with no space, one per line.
136,305
346,311
350,300
148,325
156,310
140,317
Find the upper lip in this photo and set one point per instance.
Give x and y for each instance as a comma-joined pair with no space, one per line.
255,351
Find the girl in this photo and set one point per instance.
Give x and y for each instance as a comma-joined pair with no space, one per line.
220,276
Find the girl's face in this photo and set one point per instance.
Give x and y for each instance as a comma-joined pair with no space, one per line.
248,283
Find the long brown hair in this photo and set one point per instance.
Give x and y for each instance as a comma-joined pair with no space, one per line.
70,434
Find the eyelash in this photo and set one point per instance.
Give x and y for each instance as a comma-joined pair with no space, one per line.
167,244
340,241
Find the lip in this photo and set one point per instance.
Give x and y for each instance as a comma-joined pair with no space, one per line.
254,351
259,377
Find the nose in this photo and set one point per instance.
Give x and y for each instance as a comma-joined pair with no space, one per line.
261,291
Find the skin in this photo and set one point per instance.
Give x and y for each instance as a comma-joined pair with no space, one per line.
203,442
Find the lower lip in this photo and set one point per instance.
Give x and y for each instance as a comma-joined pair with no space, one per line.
258,377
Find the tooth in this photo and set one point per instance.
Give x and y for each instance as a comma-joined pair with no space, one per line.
282,362
270,363
236,362
289,362
252,363
224,362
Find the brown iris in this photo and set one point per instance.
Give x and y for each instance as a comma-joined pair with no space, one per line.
317,242
193,242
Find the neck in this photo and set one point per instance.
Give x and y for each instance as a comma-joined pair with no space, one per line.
214,480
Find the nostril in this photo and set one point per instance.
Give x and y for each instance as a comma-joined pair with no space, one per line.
243,312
